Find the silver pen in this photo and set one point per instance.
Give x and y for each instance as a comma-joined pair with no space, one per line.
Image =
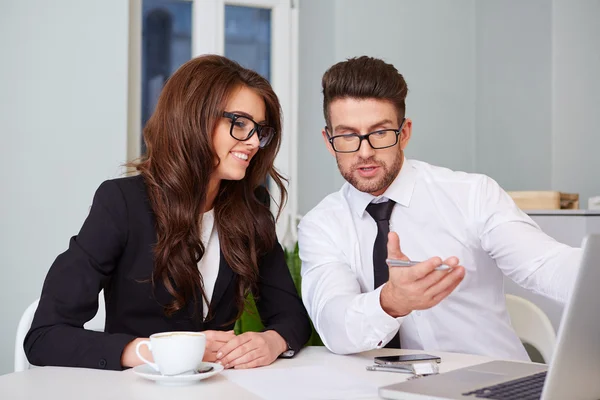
403,263
389,369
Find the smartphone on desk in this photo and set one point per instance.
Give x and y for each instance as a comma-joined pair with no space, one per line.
390,361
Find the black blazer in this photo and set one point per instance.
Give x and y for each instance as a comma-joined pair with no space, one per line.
113,251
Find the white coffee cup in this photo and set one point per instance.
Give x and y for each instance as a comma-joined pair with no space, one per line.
174,352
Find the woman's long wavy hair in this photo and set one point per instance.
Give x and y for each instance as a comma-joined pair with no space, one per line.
179,161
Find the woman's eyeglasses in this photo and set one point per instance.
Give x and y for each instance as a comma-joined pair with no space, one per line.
242,129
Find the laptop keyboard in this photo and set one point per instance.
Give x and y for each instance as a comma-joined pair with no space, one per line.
528,388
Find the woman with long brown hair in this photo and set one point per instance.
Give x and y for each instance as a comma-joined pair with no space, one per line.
179,246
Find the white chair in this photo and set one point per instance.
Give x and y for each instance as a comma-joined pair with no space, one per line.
21,362
532,325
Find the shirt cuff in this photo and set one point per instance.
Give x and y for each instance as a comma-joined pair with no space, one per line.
384,325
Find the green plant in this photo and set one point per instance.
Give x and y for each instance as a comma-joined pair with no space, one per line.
250,319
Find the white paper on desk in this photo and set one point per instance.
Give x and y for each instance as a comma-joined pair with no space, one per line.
300,383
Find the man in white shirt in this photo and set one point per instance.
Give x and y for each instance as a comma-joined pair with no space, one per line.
441,217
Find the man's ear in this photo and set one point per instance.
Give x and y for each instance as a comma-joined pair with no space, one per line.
327,143
405,133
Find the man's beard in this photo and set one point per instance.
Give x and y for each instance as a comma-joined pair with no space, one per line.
372,185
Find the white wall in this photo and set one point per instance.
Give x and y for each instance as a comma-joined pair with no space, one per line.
317,171
514,93
576,97
63,122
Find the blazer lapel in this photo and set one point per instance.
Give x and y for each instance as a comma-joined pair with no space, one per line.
224,279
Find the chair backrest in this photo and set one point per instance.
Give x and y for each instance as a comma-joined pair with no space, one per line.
532,325
21,362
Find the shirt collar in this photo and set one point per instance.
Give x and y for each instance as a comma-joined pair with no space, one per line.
401,190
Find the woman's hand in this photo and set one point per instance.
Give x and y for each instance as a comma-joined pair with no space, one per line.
252,349
215,340
130,359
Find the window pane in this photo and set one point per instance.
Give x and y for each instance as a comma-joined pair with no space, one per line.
248,37
166,44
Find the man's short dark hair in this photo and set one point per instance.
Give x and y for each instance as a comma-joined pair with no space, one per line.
364,78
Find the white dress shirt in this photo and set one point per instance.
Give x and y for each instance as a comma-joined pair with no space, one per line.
209,263
442,213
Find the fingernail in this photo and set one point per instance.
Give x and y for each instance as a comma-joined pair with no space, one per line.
226,365
219,355
219,362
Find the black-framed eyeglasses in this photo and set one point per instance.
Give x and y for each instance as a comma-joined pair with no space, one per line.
351,142
242,129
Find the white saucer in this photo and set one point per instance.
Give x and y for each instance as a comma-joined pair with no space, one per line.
146,371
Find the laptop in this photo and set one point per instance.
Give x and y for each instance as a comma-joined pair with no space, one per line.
573,374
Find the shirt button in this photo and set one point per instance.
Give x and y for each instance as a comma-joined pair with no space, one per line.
102,363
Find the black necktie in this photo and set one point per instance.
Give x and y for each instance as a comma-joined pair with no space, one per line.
381,213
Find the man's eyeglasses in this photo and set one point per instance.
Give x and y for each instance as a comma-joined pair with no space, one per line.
242,129
350,143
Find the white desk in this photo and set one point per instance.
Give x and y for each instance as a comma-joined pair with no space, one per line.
53,383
